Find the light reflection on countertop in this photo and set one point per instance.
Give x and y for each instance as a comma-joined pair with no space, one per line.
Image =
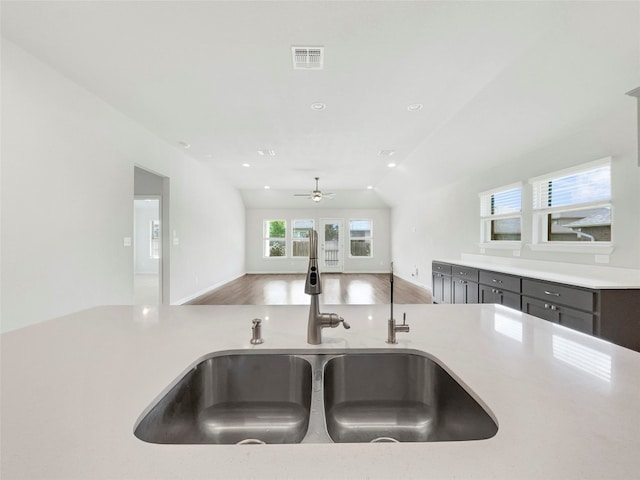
582,357
508,326
147,315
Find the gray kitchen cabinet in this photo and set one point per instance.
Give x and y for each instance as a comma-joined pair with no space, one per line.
464,282
575,297
573,307
441,277
569,317
499,288
612,314
489,294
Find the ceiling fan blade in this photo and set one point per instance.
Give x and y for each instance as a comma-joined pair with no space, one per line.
301,195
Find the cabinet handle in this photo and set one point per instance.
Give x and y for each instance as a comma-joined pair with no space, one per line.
553,294
495,290
462,273
463,282
496,281
549,306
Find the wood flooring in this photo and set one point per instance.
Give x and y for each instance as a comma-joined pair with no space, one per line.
338,289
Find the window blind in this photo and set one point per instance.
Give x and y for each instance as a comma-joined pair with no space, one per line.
501,202
578,189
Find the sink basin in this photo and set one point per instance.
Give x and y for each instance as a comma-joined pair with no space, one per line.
310,397
234,398
399,397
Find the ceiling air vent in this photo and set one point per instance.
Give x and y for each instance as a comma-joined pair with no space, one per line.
307,58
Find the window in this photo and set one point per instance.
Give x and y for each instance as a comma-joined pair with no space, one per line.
275,238
361,238
300,232
500,213
573,205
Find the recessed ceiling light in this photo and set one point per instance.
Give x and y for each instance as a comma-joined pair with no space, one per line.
184,144
246,165
369,187
414,107
267,187
267,151
391,165
318,106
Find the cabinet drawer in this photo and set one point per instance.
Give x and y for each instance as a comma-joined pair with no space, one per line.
559,294
500,280
444,268
569,317
489,294
464,273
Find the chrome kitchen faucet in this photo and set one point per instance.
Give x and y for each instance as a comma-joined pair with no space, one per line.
313,287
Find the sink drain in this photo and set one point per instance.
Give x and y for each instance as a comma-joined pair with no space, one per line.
251,441
384,440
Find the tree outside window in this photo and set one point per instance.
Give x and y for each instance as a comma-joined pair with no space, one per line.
275,239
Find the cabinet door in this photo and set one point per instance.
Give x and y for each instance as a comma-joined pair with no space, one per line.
489,294
569,317
441,288
464,291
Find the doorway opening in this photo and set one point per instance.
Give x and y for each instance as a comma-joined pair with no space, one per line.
150,238
147,250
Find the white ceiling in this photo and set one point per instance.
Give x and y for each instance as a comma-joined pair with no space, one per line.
496,79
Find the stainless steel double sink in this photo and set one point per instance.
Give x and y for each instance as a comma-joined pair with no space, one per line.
275,397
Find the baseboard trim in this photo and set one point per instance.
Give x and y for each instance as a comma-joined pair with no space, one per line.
206,290
416,283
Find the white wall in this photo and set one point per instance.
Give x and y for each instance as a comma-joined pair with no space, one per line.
64,149
446,220
256,263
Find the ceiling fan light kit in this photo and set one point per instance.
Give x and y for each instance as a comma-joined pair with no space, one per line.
316,195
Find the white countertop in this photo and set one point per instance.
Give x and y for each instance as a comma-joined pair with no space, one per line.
567,404
587,276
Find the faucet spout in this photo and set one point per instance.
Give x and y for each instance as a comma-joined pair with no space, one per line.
313,287
392,327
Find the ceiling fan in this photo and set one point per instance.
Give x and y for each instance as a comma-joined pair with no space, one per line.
316,195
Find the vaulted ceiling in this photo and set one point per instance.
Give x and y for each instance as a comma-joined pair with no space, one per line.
495,79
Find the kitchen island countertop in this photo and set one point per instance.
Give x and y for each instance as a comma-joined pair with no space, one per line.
567,404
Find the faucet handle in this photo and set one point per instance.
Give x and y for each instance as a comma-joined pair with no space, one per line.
256,332
333,320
